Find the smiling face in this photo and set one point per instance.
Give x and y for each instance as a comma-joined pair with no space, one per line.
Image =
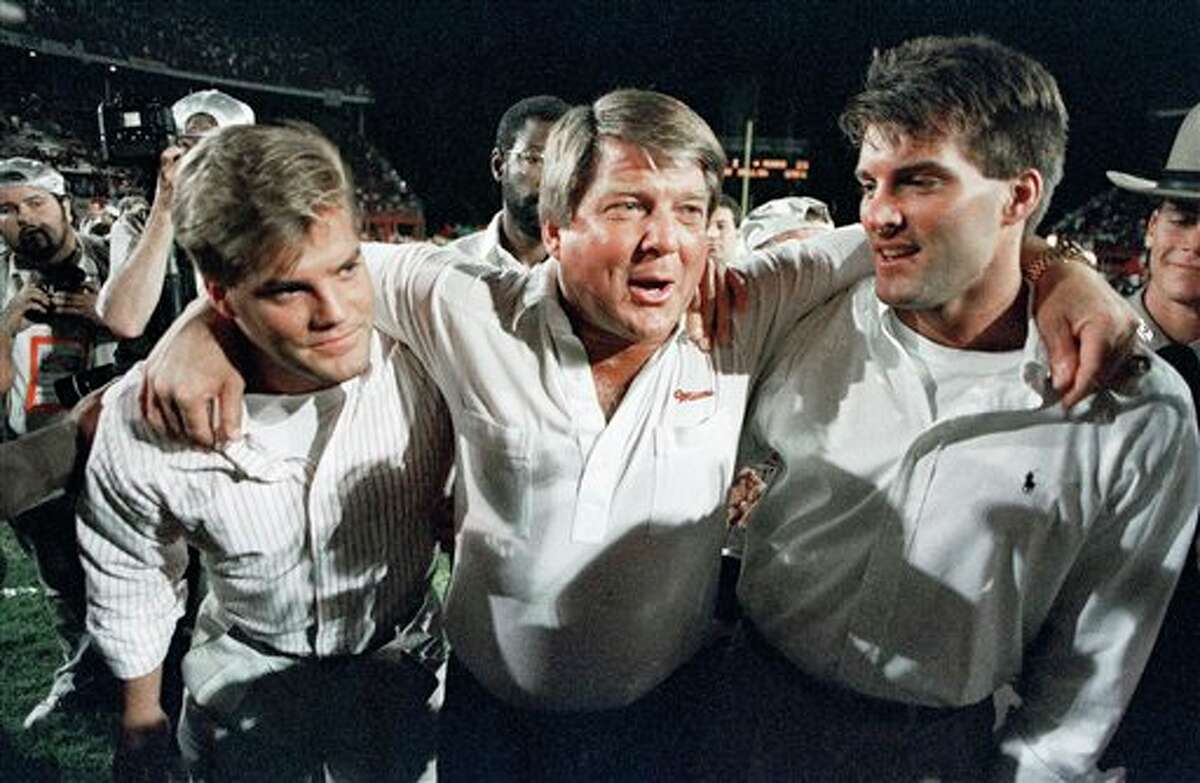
944,236
1173,238
634,250
309,320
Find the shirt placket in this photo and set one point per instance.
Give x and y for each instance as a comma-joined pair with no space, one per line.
865,643
323,510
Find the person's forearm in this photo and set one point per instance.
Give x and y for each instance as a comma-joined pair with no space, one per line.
129,296
37,466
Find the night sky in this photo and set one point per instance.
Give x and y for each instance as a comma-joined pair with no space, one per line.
444,72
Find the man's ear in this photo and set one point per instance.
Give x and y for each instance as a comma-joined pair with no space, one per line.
1151,224
1024,196
497,164
219,296
551,238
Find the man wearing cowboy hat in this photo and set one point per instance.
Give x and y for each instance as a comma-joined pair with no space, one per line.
151,282
1159,738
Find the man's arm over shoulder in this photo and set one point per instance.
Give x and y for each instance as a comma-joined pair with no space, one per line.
1080,673
133,553
410,286
786,281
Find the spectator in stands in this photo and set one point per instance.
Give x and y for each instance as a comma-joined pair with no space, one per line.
303,663
939,526
1159,738
150,281
514,237
723,242
50,332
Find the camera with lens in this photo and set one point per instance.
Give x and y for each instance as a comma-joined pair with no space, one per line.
58,278
73,388
135,132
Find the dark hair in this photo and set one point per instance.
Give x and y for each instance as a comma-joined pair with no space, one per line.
1004,105
730,203
538,107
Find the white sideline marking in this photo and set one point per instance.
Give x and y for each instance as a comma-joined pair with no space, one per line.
15,592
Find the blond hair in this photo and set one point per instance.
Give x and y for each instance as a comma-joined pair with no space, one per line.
246,196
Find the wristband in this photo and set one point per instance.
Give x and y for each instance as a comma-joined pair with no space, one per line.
1066,250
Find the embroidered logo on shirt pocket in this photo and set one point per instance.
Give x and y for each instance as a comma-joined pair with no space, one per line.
497,471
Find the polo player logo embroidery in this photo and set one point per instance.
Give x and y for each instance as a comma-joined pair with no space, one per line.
691,396
1030,485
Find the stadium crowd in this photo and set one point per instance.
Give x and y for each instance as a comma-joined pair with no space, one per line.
726,496
213,46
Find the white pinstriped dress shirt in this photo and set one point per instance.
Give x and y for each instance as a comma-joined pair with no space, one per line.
308,558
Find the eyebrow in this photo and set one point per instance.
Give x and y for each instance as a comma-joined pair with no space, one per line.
918,167
277,285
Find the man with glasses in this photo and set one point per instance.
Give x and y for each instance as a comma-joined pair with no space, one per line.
514,237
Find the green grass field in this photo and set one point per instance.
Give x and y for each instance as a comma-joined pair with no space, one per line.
70,747
73,747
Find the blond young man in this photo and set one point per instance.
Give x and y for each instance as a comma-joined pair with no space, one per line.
313,529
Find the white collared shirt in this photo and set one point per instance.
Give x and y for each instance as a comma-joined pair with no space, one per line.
1158,339
928,548
312,555
587,551
485,246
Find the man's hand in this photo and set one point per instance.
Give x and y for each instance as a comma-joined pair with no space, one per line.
31,298
722,293
1090,332
80,304
191,390
168,166
144,748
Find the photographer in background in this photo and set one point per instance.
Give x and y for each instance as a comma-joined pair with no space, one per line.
151,281
51,338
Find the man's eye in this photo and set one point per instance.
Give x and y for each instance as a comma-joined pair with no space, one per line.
925,183
866,188
625,207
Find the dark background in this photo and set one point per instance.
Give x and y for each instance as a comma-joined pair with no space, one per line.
442,73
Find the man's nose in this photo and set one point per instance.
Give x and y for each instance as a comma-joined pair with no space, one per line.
662,232
880,214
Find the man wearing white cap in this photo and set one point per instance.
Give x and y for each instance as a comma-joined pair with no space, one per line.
150,282
1159,738
49,332
795,217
